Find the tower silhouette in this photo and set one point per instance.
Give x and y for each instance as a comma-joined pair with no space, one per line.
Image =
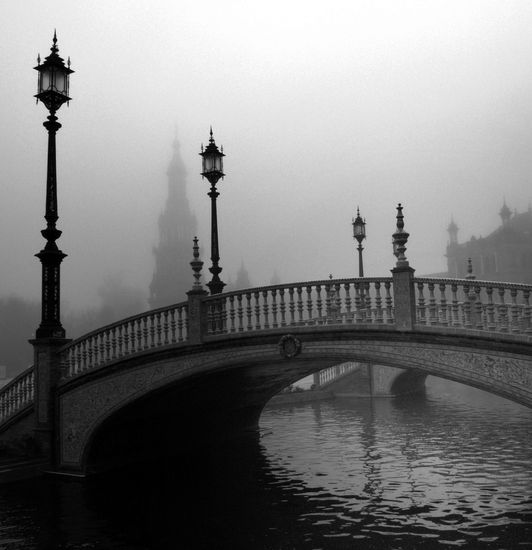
177,227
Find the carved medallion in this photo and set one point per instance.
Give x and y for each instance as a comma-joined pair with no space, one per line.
289,346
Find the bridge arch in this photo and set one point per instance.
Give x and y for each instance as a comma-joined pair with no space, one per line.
221,386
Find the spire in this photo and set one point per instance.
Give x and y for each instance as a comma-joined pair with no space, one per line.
177,226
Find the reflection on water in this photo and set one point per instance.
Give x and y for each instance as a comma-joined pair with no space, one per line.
449,469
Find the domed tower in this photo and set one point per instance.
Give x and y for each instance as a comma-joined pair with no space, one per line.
453,233
505,213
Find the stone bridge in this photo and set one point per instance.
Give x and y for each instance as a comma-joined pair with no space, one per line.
203,370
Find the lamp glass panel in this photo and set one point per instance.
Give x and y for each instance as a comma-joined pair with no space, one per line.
209,163
46,80
60,82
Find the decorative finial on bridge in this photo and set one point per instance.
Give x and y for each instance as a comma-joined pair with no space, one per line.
470,274
400,238
196,265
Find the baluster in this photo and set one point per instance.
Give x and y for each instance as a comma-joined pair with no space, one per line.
232,313
421,317
120,341
249,310
479,309
503,311
514,310
319,303
348,315
151,330
283,308
240,313
432,305
328,302
455,307
113,343
526,319
89,353
490,310
291,306
158,329
266,309
443,315
107,345
359,302
338,304
223,315
166,327
299,291
132,329
467,307
310,319
388,300
274,308
145,332
379,317
368,313
180,324
136,328
84,363
256,295
173,326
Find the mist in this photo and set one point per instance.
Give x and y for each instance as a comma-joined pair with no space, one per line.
319,109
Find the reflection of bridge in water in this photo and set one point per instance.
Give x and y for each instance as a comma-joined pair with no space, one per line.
203,369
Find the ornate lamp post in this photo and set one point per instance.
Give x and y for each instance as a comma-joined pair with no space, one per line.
52,90
359,234
213,171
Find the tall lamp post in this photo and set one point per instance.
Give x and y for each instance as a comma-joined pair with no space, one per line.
52,90
213,171
359,234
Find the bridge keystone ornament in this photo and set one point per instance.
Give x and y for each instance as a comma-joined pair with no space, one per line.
289,346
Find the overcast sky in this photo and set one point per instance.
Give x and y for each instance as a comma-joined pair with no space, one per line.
320,107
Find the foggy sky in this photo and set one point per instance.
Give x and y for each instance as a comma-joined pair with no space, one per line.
319,107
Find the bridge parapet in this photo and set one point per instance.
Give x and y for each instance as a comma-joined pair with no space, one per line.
474,304
17,395
152,329
468,305
323,302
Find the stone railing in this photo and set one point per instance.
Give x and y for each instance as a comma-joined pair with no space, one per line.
17,395
401,302
152,329
339,301
474,304
332,374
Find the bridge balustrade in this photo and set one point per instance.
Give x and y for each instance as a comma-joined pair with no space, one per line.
474,304
331,374
17,395
155,328
340,301
465,304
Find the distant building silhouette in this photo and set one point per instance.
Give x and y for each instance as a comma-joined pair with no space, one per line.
172,277
504,255
242,279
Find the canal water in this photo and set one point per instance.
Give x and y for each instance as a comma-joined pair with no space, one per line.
449,469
